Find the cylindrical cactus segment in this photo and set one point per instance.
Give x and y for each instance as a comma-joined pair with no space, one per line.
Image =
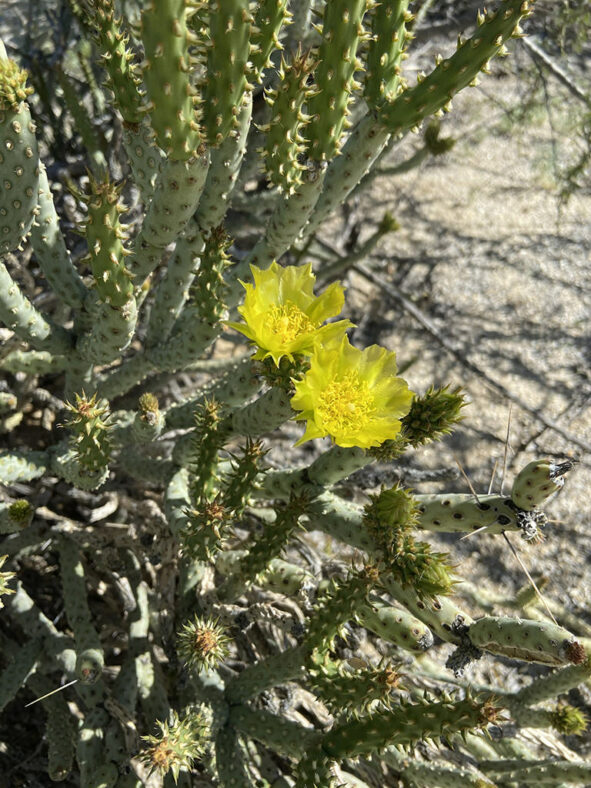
538,481
89,424
284,143
462,512
396,625
337,605
407,724
148,420
345,691
105,237
173,103
230,24
435,91
119,60
389,38
553,684
50,249
207,291
19,157
337,61
532,641
269,18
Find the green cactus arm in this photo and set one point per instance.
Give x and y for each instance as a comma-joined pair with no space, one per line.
395,624
176,194
550,772
407,724
553,684
268,412
95,772
173,290
440,613
190,337
82,122
283,736
342,32
269,18
283,142
32,362
270,672
19,314
121,379
144,156
173,103
386,51
22,466
566,719
23,663
118,58
453,74
19,157
75,601
59,728
537,482
226,161
57,647
15,516
528,640
235,387
50,249
433,775
231,767
230,25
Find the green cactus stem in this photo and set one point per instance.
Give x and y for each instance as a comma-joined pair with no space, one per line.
432,775
90,752
537,482
284,143
90,658
176,194
337,60
337,605
86,461
228,54
173,290
50,249
238,385
283,736
565,719
265,414
226,161
19,157
269,18
345,691
60,729
408,723
386,50
57,648
435,91
270,672
230,762
532,641
173,103
21,466
15,516
145,157
556,683
19,315
32,362
549,772
395,624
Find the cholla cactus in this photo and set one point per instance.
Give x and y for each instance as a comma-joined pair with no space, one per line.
195,599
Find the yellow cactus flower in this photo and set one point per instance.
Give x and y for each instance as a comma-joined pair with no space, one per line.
351,395
284,317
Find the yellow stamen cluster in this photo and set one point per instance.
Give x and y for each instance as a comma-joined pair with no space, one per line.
287,322
345,404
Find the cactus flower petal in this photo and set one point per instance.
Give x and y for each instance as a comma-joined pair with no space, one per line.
351,395
284,317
